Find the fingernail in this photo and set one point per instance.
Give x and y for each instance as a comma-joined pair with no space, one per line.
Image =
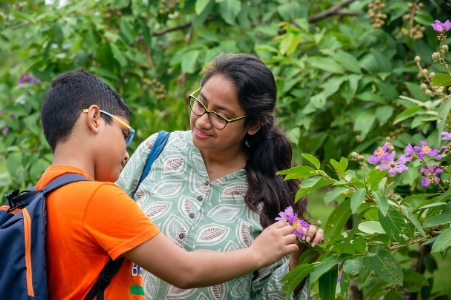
308,239
313,244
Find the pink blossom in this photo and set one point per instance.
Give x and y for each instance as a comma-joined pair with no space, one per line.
388,162
441,27
446,135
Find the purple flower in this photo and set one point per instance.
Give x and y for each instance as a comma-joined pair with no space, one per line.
286,215
28,78
441,27
426,150
410,151
388,162
431,175
446,135
298,228
378,154
5,130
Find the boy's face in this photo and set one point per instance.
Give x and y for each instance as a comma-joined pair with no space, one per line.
112,154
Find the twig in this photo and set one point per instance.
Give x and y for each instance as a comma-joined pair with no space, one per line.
334,10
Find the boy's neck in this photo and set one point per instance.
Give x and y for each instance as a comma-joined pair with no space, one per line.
74,156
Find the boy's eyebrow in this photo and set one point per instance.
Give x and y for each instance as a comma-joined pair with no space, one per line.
219,107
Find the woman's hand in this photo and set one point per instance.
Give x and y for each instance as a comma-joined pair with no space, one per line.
311,234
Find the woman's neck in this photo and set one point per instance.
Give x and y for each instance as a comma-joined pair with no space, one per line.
221,164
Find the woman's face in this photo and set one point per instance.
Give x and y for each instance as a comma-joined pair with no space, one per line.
218,94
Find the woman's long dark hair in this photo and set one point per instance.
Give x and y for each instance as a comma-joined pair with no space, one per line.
269,150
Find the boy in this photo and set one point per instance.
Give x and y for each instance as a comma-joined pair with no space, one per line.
86,125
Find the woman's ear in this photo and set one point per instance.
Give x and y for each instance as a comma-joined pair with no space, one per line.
254,128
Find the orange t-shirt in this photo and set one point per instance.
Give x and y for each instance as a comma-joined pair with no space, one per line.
89,222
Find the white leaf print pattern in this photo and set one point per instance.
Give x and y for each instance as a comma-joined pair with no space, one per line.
167,189
264,271
150,286
197,183
188,205
211,234
234,191
244,232
198,162
217,291
174,164
178,293
231,246
225,213
140,196
172,228
240,288
154,211
202,297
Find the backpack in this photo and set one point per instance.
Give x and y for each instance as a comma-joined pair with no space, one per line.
23,223
157,147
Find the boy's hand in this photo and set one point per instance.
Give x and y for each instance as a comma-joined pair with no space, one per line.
273,243
311,234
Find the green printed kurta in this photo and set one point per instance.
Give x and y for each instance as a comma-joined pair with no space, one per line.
199,214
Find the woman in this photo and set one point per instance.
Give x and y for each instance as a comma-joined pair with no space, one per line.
215,187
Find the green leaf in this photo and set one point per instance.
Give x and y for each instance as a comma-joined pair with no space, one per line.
374,177
443,241
406,114
442,115
327,284
365,271
411,217
319,184
443,197
353,266
357,199
340,167
189,61
200,6
13,163
326,64
386,267
363,123
441,79
294,277
371,97
117,54
229,9
312,159
336,221
333,194
414,281
383,113
371,227
382,204
289,43
437,220
127,30
392,223
323,267
298,172
347,60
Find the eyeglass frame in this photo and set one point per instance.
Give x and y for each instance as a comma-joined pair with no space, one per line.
191,96
131,131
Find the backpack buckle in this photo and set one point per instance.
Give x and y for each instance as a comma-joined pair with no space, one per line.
10,197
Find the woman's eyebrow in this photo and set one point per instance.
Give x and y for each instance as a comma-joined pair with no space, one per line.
218,107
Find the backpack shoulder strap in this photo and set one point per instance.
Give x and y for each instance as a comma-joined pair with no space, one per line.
158,146
108,272
63,180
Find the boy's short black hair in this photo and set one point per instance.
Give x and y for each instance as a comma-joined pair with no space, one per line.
69,94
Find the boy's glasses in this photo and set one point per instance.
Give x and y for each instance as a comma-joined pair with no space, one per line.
131,132
218,121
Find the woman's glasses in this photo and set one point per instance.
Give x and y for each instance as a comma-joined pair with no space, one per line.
129,135
218,121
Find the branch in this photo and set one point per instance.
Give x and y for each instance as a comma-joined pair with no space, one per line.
179,27
334,10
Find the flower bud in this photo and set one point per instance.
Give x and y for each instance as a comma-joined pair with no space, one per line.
428,93
387,139
409,5
354,154
391,148
435,56
444,48
360,158
425,72
417,59
432,74
319,223
423,86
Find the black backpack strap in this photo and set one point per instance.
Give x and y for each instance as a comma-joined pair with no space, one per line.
108,272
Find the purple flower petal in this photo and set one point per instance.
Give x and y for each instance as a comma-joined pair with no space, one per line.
5,130
425,181
446,135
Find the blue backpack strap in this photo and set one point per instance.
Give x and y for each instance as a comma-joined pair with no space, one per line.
63,180
158,146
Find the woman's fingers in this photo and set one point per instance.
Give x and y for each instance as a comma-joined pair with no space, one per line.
318,238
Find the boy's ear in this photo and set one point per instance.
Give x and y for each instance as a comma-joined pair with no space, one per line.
254,128
93,118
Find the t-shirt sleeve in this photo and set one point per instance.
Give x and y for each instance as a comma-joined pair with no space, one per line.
115,222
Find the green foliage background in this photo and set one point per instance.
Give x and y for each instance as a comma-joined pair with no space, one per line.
344,84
